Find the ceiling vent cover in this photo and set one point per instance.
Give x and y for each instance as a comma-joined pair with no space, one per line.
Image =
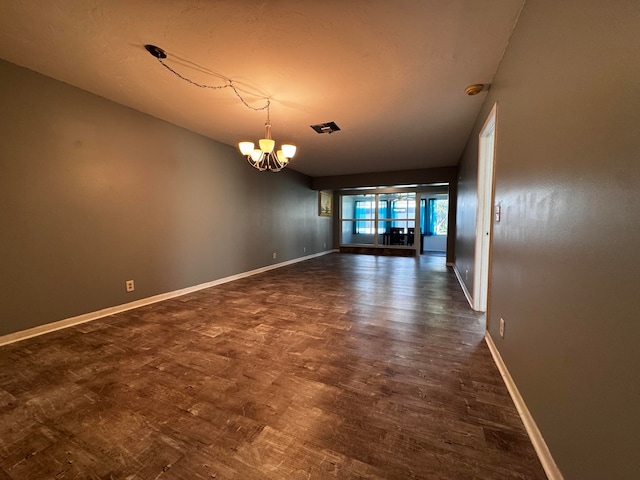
328,127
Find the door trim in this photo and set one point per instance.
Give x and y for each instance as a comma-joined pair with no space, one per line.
484,214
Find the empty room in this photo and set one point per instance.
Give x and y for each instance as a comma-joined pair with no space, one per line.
314,240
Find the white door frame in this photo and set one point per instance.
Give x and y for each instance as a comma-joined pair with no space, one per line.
484,215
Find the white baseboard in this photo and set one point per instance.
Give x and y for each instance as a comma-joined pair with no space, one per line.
463,286
87,317
549,465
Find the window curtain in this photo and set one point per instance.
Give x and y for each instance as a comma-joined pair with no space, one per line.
359,213
383,212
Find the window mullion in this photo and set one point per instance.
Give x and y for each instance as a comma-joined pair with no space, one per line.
375,219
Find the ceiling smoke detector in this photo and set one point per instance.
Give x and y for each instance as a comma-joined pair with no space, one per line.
328,127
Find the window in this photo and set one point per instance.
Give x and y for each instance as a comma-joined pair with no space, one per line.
396,210
364,211
369,219
434,217
383,212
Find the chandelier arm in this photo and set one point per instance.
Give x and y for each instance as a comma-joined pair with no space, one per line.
258,165
274,164
267,162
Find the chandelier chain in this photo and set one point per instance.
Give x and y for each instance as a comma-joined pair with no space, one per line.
229,84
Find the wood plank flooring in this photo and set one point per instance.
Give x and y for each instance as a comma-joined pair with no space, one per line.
344,366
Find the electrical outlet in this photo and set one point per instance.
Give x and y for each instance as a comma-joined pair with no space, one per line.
324,245
304,249
466,274
502,327
130,286
274,255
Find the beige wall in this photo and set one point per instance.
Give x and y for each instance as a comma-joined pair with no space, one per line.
93,193
566,255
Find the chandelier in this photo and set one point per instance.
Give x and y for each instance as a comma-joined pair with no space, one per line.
263,158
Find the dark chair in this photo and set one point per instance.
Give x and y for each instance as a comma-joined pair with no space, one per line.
410,234
396,235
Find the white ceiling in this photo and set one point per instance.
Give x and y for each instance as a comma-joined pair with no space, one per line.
391,74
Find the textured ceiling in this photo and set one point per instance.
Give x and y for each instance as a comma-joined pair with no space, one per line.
390,74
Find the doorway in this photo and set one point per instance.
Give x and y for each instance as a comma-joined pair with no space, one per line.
486,163
433,219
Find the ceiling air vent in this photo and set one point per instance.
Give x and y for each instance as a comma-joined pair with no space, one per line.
328,127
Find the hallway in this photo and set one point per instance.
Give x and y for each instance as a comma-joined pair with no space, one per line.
343,366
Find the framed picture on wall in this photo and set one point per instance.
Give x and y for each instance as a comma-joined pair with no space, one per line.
325,204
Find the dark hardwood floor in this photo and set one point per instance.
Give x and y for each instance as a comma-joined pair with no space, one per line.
344,366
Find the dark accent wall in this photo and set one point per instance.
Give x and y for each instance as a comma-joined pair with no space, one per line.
566,256
93,194
424,176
